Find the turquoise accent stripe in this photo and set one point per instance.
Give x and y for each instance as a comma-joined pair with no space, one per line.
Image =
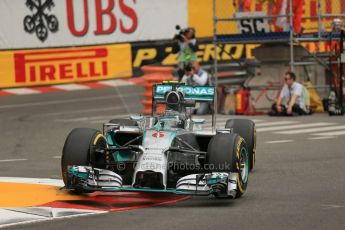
148,190
175,191
75,172
199,93
245,153
123,155
109,138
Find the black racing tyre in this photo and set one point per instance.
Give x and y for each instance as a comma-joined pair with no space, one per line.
246,129
79,149
226,150
123,121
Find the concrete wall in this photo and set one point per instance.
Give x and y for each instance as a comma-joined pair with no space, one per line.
275,61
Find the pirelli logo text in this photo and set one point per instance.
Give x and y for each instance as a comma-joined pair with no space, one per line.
61,65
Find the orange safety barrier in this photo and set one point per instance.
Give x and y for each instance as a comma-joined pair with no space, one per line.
154,75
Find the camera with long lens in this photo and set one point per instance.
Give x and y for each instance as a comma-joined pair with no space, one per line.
181,33
188,69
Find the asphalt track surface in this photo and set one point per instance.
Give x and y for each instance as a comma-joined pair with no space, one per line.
298,182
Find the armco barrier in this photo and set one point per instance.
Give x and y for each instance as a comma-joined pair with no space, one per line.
154,75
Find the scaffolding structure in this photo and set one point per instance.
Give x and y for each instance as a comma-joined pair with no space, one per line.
279,21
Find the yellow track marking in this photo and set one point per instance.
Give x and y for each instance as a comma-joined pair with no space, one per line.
21,195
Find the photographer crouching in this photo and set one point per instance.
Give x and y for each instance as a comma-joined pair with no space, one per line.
185,44
194,75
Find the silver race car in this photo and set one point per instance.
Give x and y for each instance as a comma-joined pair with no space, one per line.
163,153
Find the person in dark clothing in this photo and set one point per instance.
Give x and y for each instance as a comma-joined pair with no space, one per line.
196,76
185,44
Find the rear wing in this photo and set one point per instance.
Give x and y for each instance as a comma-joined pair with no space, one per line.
196,93
190,94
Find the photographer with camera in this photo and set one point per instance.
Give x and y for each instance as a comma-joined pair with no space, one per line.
196,76
185,45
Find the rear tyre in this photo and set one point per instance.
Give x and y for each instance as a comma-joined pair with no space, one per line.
246,129
80,149
229,153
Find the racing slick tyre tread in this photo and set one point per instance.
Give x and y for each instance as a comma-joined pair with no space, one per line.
123,121
246,129
221,152
229,149
79,149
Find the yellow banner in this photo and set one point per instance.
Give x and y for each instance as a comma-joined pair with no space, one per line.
200,14
200,17
64,65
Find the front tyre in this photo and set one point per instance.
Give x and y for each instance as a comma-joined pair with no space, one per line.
80,149
246,129
243,168
228,153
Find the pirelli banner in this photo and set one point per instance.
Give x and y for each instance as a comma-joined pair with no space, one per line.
64,65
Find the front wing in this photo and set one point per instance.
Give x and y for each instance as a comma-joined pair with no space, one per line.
86,179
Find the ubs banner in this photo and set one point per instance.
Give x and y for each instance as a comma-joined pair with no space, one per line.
34,32
64,65
56,23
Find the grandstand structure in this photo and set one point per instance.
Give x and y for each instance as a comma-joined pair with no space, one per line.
314,25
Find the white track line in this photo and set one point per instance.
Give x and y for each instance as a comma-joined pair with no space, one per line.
312,130
321,138
71,87
337,133
275,128
99,121
107,120
12,160
37,219
84,119
279,141
21,91
115,83
42,103
93,118
44,181
83,111
276,123
220,122
221,118
57,157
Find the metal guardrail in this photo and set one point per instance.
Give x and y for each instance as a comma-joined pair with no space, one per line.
273,87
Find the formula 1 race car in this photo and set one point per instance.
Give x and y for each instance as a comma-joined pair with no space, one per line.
162,153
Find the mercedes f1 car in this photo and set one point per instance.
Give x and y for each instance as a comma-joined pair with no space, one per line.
168,152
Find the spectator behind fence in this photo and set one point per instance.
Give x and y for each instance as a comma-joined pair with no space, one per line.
185,44
293,98
196,76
